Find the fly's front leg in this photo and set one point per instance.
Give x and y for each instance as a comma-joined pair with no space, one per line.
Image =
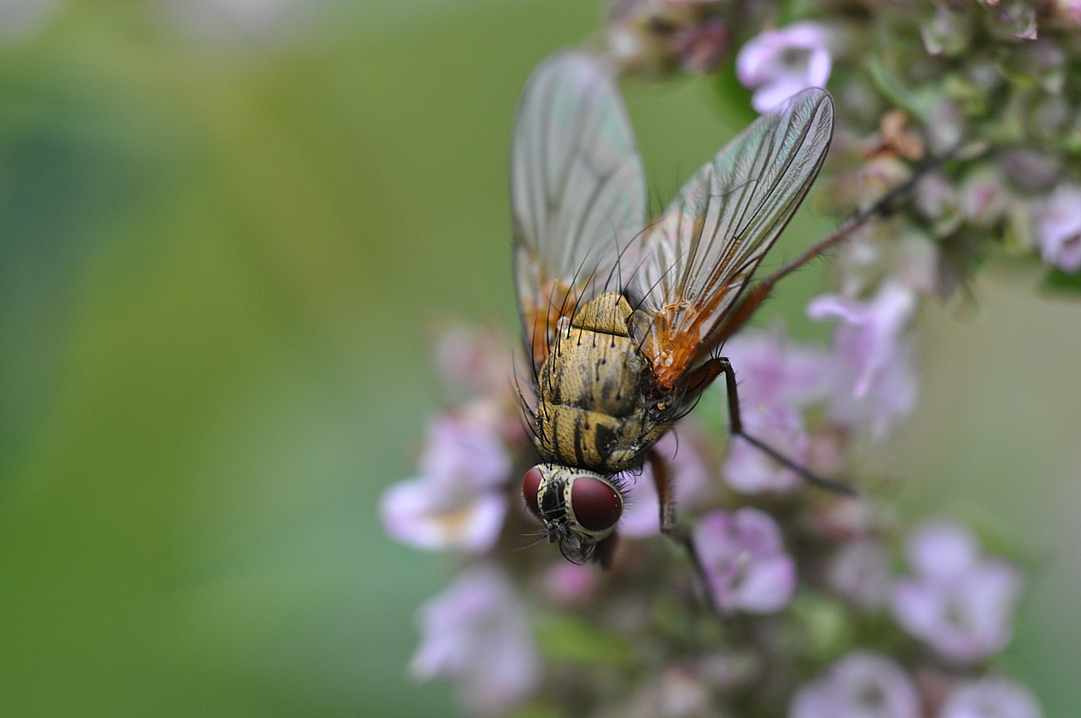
721,365
669,528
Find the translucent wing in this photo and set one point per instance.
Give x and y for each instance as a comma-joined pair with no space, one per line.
577,192
715,233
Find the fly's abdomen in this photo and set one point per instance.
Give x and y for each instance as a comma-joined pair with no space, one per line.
591,412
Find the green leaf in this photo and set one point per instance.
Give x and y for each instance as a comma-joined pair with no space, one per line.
1058,282
539,710
569,639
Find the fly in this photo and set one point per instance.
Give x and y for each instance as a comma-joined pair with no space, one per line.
622,321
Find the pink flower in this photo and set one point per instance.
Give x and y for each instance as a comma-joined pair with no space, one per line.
458,501
692,483
748,469
571,583
776,378
1058,228
1068,12
473,360
862,684
745,561
876,326
771,369
873,378
958,601
779,63
860,572
984,199
459,449
477,634
991,697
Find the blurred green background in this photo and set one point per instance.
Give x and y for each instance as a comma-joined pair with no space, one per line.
222,240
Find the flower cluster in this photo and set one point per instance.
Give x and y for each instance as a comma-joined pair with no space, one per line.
817,617
986,83
825,606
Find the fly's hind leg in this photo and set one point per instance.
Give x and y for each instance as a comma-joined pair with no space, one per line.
714,368
680,534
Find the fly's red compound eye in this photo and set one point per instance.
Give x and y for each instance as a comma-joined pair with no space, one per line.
530,485
597,505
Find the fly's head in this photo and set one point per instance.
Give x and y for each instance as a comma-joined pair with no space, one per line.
579,508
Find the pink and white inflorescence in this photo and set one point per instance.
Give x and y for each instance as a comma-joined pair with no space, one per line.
825,607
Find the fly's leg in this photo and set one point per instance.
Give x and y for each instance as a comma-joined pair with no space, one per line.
606,551
714,368
680,534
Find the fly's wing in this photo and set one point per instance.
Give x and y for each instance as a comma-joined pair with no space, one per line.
577,192
715,233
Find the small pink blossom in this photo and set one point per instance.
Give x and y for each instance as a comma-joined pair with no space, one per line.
851,519
860,572
678,692
1016,19
873,378
432,516
984,199
944,126
877,325
771,369
1068,12
936,200
477,634
1058,228
571,583
473,360
946,32
957,601
991,697
779,63
748,469
458,501
862,684
745,561
1031,169
458,449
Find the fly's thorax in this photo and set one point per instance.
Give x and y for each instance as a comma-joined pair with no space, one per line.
579,508
592,410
